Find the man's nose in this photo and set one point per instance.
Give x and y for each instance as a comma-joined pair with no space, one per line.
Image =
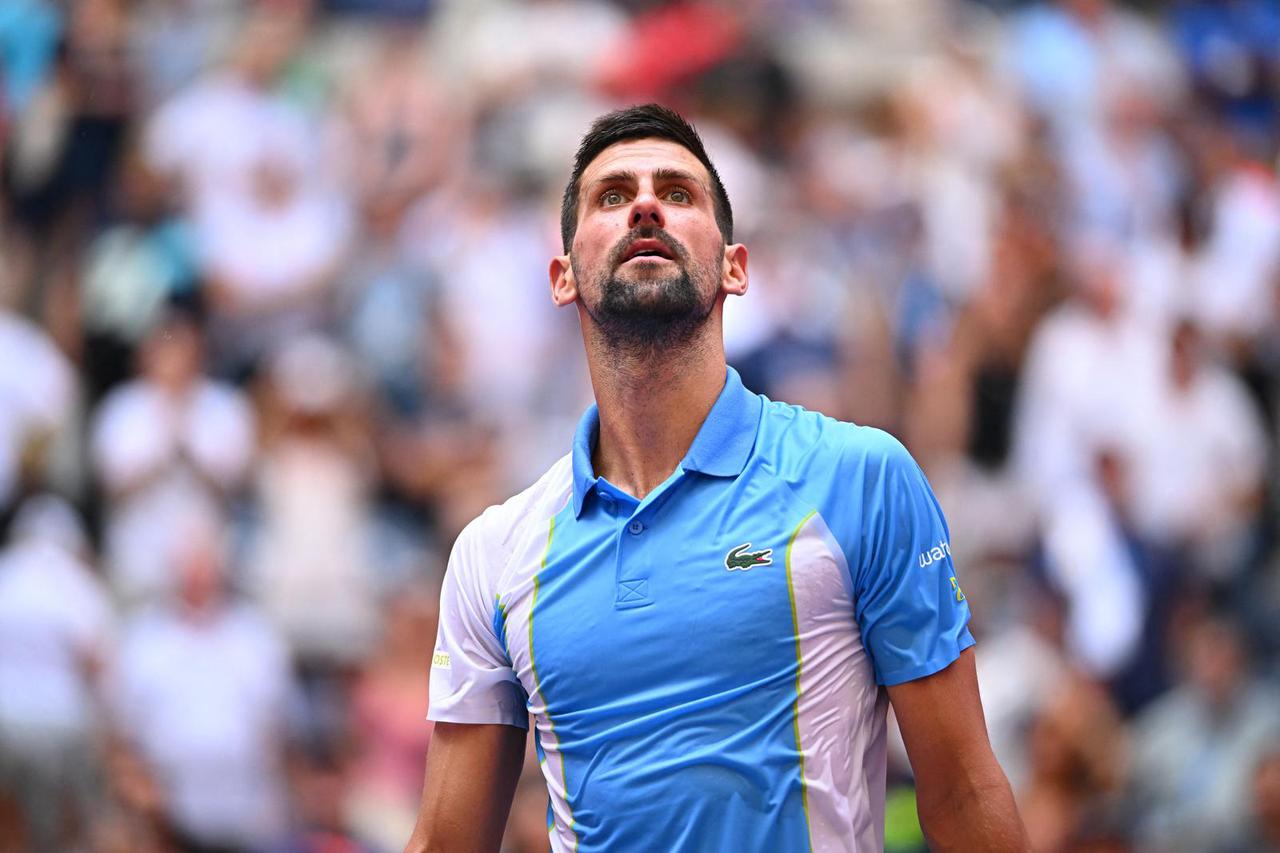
647,210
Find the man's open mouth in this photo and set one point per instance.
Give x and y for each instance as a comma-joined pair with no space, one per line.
648,248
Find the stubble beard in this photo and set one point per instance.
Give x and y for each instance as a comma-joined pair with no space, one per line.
649,314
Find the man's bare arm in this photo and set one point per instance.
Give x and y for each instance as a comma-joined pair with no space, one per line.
472,772
963,797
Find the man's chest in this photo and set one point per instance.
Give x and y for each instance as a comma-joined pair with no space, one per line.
706,594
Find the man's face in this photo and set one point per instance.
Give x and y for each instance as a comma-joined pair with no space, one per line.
648,260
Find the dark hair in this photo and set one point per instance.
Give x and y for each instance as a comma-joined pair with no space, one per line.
648,121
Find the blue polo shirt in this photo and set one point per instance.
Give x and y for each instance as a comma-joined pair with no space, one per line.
704,667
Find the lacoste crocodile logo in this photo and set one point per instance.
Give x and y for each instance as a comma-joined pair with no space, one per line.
740,559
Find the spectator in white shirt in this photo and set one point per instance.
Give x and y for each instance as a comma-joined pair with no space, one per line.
1085,366
163,442
1199,451
56,631
200,694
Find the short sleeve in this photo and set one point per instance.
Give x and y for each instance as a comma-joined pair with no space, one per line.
908,601
472,680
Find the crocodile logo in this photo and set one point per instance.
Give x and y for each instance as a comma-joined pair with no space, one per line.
740,559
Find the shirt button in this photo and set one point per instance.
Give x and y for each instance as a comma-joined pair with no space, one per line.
635,528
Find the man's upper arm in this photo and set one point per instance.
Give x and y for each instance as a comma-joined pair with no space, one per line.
941,719
478,704
472,680
963,797
472,770
907,598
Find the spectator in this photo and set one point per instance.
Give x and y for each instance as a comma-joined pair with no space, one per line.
320,783
200,694
1071,55
1078,758
249,163
386,298
169,440
401,135
1085,366
1232,290
495,310
1195,748
258,298
74,131
56,634
1200,455
210,136
310,558
132,270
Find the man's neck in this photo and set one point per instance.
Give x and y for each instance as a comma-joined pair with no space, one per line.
651,409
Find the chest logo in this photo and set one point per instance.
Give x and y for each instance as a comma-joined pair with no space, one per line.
741,559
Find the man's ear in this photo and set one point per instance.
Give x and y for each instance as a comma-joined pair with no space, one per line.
564,289
734,279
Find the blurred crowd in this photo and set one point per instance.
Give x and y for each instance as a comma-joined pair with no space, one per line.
274,324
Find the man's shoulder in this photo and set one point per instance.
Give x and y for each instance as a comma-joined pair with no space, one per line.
502,525
793,437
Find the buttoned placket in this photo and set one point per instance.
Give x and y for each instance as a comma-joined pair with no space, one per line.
632,519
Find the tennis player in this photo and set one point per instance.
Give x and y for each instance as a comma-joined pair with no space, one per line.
708,605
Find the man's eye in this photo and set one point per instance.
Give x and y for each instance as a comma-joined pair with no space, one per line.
679,196
612,197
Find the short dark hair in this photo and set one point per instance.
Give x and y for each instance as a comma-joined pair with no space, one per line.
647,121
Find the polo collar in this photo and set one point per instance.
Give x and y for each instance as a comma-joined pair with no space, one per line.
720,449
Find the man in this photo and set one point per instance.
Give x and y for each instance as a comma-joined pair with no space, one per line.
200,692
700,604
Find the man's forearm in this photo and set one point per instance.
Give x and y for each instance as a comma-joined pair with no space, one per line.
977,814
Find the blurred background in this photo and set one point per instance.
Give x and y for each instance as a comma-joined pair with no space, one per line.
274,324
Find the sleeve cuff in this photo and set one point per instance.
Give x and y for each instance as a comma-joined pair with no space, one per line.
941,659
478,716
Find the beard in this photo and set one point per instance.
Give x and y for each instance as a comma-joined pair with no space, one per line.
647,308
